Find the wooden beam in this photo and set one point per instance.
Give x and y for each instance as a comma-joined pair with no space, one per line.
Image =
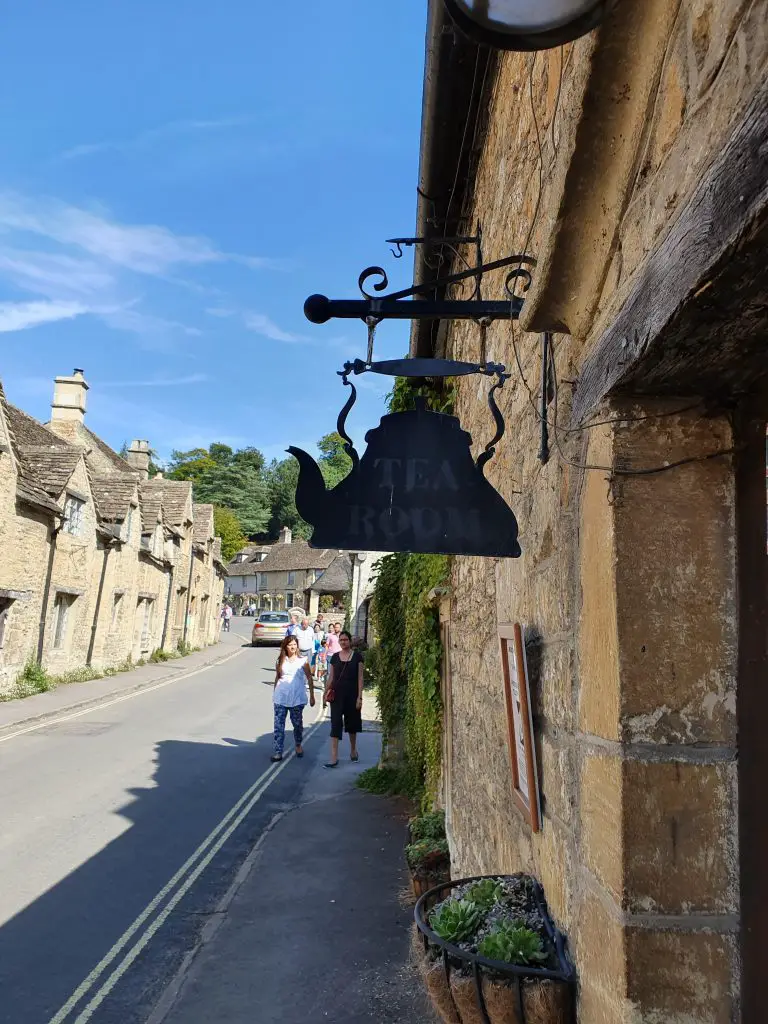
721,226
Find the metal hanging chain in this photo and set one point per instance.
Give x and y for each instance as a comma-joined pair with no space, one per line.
371,323
483,325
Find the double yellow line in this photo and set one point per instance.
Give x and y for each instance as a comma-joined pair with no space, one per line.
138,934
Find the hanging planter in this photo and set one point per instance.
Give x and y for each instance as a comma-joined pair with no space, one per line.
426,853
490,954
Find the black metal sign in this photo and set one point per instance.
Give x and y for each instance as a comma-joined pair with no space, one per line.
417,487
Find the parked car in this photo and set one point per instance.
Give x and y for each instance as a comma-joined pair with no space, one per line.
270,628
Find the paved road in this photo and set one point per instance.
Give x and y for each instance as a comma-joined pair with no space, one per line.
110,829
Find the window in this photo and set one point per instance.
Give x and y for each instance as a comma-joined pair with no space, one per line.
289,599
61,609
5,611
241,557
262,581
117,606
146,625
291,579
73,515
311,577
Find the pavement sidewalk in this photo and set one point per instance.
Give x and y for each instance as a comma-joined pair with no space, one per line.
70,697
316,927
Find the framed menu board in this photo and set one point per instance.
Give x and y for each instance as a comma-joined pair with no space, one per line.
517,698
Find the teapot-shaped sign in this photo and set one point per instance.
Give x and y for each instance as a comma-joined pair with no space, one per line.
416,488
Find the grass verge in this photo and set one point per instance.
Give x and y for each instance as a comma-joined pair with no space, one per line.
390,780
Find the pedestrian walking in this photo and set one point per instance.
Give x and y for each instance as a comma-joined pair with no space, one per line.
333,644
226,615
289,695
320,665
344,692
305,636
293,625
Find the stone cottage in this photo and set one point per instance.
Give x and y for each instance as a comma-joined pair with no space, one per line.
96,560
279,576
632,165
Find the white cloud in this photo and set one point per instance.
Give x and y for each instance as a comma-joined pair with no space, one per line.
220,311
261,324
145,248
147,138
16,316
157,382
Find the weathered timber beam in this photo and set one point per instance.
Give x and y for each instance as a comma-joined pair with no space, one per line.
728,210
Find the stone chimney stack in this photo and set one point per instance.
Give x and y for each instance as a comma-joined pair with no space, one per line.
285,535
69,398
138,458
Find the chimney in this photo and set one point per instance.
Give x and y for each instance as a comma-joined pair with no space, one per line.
69,398
285,535
138,458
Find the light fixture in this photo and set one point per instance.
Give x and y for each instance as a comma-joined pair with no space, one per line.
526,24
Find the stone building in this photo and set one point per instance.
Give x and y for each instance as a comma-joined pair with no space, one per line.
96,560
278,576
632,165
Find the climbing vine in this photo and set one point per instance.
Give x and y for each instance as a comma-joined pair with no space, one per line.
406,662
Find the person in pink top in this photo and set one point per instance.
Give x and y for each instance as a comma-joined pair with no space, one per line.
332,641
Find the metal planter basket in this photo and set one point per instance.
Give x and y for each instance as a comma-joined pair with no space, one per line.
467,988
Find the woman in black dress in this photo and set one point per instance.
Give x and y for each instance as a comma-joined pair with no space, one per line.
344,692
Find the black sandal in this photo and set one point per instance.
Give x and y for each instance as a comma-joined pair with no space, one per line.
331,764
354,757
276,757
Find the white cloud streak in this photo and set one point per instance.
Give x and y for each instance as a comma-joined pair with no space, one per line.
148,138
267,328
158,382
17,316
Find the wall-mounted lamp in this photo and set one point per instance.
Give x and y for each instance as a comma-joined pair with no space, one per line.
526,24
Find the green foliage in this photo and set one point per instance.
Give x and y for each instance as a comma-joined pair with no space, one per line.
456,920
440,395
229,479
387,780
281,478
408,661
159,655
31,680
334,462
485,893
326,602
427,852
227,526
429,826
513,943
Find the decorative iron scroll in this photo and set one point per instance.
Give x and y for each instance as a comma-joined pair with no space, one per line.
416,487
404,305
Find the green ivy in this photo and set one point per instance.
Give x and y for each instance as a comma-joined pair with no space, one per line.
407,662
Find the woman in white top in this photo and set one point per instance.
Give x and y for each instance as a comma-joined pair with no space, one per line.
292,675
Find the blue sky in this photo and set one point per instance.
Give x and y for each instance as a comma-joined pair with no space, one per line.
175,179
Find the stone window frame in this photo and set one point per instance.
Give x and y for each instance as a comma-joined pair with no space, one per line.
62,606
74,506
6,603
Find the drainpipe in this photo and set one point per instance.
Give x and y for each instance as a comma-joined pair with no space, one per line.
168,606
92,643
46,595
189,588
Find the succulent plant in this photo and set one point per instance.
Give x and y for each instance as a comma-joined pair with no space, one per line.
485,893
511,942
456,920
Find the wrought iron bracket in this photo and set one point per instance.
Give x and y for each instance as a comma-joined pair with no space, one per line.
424,368
404,304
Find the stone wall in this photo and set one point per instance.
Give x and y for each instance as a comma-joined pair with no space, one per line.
626,585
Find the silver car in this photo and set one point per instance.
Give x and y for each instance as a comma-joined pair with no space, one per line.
270,628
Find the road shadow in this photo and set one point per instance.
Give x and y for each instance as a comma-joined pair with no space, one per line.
49,947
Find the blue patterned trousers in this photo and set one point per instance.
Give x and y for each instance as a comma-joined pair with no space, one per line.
297,721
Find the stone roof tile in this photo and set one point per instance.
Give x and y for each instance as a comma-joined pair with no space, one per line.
202,530
336,578
296,556
174,495
49,466
113,495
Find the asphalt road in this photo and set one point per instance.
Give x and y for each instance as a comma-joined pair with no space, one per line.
121,831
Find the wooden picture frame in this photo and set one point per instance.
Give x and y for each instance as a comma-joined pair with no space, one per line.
517,699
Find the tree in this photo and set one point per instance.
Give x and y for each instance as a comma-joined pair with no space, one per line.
229,479
282,477
227,526
335,464
192,465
